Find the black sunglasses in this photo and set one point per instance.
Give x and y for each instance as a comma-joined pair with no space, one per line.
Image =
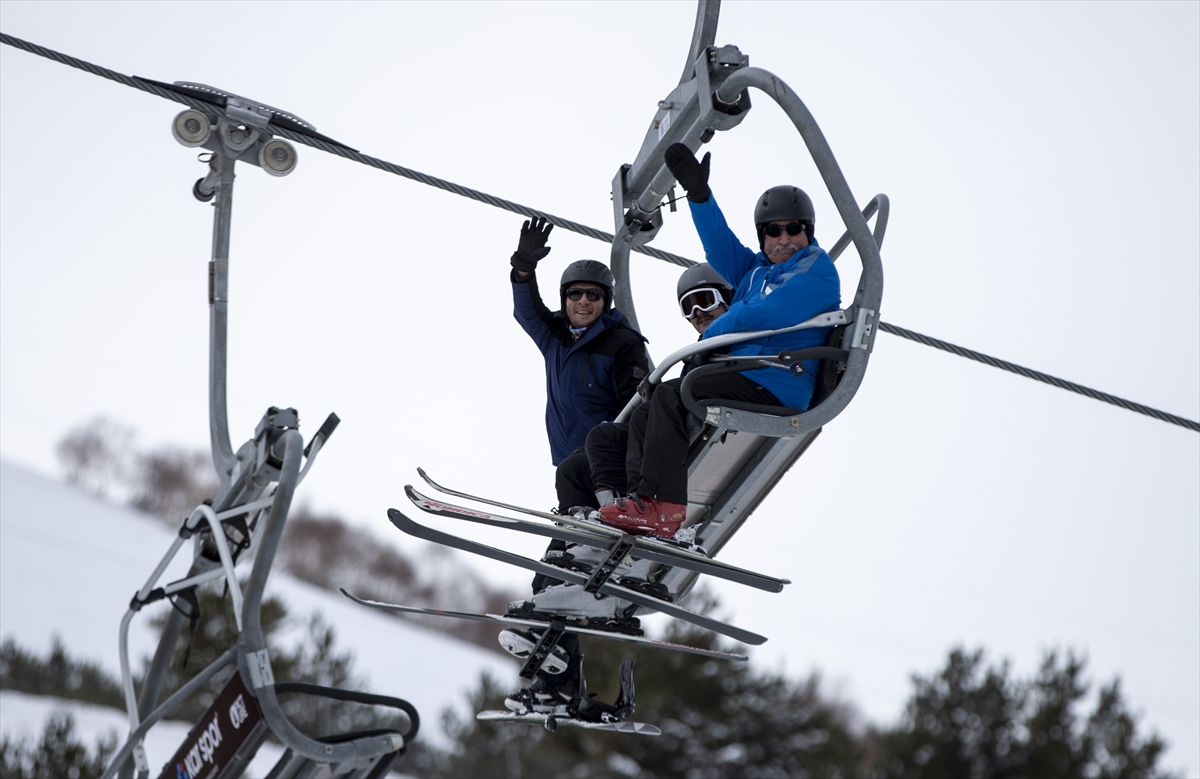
774,231
575,293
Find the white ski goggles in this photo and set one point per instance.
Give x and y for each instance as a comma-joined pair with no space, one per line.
701,299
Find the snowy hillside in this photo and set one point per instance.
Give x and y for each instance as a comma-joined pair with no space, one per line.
70,563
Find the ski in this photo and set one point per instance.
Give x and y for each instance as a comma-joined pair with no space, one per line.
563,574
642,542
643,547
540,625
551,722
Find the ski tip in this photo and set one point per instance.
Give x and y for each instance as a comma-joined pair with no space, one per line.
395,516
421,472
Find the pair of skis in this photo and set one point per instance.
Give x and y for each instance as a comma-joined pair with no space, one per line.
577,531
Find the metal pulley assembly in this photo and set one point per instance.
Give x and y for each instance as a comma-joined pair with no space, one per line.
237,129
238,141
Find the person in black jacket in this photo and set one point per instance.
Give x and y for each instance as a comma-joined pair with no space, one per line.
592,479
594,359
603,474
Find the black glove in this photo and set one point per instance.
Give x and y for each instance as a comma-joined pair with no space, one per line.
691,174
532,246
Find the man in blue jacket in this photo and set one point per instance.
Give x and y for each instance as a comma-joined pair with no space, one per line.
594,359
789,280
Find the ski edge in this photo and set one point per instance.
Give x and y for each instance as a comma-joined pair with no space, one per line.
498,619
638,728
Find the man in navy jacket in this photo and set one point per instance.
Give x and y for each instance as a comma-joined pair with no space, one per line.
789,280
594,359
703,297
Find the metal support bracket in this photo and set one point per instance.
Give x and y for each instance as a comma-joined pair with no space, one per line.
616,553
258,664
864,330
545,646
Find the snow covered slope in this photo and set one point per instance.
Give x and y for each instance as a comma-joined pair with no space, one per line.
70,563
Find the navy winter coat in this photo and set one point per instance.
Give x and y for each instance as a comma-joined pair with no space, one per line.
588,381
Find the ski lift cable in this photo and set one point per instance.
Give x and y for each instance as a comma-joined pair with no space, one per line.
1029,373
566,224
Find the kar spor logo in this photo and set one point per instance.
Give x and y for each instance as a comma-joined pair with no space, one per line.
202,752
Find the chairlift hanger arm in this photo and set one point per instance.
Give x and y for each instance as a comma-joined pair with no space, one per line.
856,225
704,33
881,204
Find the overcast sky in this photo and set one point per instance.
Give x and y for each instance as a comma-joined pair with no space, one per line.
1043,162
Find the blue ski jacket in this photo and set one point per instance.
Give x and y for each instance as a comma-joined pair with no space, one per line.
770,297
588,381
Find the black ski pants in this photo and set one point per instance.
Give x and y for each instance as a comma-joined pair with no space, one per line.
574,485
575,482
658,437
653,451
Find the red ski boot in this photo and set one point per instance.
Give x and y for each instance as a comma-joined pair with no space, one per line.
636,514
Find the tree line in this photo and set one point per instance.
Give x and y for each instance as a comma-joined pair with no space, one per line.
972,717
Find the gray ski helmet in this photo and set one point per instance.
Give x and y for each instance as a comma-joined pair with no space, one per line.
703,275
784,203
589,272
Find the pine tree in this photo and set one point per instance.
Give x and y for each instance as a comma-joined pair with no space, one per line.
58,755
967,721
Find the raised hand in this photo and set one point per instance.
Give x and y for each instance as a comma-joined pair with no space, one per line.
691,174
532,246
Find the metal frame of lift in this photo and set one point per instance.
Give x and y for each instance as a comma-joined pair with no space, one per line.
740,454
250,509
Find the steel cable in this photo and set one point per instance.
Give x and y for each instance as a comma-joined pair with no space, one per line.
1038,376
575,227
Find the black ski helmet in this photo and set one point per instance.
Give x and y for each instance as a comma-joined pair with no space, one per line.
703,275
588,272
784,203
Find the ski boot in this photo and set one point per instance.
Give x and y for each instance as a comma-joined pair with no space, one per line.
585,558
640,514
541,697
586,708
572,601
